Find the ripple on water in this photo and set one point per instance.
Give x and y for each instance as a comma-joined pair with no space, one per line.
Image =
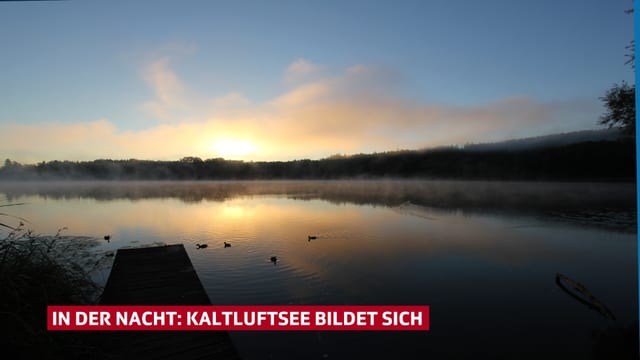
244,273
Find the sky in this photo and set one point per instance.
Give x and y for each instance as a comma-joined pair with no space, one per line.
283,80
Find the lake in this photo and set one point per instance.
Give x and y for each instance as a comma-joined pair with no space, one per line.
484,255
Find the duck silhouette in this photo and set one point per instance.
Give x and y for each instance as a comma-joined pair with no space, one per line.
274,260
226,244
107,237
201,246
311,237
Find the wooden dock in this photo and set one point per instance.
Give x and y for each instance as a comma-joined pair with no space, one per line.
160,276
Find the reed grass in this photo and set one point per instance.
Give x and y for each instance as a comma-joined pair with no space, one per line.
36,271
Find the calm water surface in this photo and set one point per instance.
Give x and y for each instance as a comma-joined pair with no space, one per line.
483,255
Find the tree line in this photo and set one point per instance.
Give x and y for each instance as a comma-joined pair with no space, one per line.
584,161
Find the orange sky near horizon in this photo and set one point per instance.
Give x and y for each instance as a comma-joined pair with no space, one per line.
318,116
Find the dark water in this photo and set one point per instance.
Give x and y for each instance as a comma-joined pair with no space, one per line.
483,255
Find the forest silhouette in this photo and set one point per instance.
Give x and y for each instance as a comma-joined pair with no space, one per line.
592,160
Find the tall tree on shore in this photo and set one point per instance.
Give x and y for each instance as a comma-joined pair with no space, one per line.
620,103
620,100
631,48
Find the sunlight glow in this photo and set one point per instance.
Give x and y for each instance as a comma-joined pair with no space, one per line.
228,147
233,211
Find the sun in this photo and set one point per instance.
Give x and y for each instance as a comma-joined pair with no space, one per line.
229,147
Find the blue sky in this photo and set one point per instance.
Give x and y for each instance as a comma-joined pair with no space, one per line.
291,79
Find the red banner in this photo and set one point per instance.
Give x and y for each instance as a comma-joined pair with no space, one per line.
289,317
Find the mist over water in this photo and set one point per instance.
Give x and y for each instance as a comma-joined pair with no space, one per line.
484,255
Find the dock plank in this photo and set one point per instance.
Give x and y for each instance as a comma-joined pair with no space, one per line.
160,276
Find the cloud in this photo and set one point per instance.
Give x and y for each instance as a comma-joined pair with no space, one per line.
302,96
358,110
301,70
166,86
232,99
